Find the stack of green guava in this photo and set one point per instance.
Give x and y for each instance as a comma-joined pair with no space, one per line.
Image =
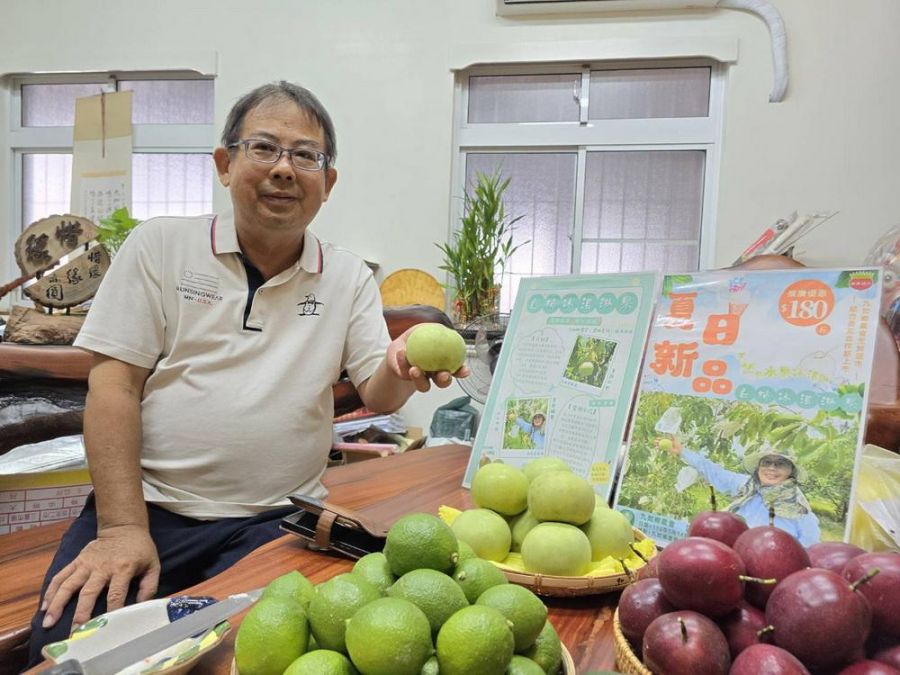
549,518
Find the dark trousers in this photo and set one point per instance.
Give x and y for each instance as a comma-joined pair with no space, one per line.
190,551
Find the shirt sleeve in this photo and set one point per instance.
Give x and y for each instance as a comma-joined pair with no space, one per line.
523,425
729,482
126,319
808,529
367,334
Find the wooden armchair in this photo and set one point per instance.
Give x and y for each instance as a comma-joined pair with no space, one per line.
57,378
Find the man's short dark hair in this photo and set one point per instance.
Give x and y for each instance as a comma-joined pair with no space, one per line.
281,91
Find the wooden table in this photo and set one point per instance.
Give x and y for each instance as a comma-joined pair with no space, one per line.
385,489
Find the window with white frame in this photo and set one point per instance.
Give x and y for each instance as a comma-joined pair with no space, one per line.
613,166
173,138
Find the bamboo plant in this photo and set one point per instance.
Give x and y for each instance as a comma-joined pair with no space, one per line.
477,255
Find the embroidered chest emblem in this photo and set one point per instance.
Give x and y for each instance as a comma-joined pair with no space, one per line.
202,289
309,306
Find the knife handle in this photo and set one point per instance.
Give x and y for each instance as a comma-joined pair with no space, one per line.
69,667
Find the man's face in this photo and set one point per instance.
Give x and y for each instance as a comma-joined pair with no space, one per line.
774,470
275,197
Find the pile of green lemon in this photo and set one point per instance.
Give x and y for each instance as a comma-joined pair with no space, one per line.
427,605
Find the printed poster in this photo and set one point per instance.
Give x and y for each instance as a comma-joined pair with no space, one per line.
754,384
566,374
101,155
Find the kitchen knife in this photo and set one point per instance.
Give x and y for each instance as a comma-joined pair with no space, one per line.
122,656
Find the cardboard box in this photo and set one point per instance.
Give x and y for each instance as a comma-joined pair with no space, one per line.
33,499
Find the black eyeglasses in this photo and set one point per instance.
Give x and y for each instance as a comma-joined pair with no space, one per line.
267,152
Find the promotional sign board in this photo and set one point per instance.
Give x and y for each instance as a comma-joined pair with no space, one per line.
754,384
566,374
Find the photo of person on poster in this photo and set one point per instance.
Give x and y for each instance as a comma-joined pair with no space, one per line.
773,479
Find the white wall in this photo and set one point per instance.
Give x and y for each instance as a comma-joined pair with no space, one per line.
382,70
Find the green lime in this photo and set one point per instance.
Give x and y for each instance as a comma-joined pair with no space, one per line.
273,635
501,488
476,639
335,601
485,531
475,576
520,665
291,585
322,662
420,540
466,552
546,650
374,568
434,593
389,636
522,608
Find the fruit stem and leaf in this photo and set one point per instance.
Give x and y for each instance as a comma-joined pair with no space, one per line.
481,247
712,498
864,579
757,580
771,515
684,635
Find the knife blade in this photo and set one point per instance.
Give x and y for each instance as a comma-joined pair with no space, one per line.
122,656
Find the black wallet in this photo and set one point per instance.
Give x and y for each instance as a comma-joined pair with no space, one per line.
325,527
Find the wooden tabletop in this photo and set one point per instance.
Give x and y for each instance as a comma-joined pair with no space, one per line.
385,489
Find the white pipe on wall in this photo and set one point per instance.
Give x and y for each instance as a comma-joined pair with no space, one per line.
768,13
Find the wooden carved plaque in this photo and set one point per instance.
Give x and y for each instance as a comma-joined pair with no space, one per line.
74,282
44,242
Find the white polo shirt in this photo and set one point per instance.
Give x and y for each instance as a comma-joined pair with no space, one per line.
238,410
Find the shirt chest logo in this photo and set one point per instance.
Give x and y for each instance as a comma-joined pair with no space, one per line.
199,288
309,306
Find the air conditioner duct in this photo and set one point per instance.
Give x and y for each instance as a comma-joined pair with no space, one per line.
761,8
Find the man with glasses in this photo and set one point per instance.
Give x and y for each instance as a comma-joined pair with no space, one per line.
216,342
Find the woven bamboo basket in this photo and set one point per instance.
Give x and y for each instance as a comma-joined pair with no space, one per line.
567,663
562,587
626,660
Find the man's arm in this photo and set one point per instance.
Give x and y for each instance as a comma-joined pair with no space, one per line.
123,548
394,381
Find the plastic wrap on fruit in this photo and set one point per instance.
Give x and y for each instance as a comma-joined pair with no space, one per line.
886,254
875,524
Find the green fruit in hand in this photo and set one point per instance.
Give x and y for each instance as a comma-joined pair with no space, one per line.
556,548
586,369
561,496
501,488
665,444
432,347
610,533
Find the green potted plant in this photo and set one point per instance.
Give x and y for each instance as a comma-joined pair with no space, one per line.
480,248
112,230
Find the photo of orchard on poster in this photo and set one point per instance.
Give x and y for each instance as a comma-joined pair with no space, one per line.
754,384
